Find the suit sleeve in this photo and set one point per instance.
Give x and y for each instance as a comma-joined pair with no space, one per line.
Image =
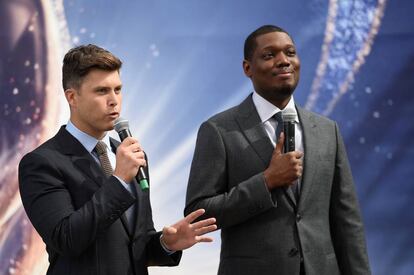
49,206
208,185
346,222
157,255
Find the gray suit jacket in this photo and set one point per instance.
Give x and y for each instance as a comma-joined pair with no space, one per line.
269,232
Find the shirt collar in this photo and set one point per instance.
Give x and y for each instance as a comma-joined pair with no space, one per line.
86,140
266,110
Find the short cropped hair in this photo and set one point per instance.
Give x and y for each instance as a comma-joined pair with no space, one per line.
79,61
250,43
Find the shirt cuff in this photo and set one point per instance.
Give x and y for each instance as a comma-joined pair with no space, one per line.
126,185
169,252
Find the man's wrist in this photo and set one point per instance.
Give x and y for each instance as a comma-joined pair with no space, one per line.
164,246
125,185
266,180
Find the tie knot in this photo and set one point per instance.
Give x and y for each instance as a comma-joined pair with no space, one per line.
100,148
278,117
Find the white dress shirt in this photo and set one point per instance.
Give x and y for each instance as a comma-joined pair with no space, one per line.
267,110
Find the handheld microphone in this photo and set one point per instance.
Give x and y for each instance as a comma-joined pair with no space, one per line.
122,127
289,117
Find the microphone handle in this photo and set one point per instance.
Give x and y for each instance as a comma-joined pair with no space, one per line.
141,177
289,130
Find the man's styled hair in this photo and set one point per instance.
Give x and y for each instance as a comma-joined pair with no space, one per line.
79,61
250,43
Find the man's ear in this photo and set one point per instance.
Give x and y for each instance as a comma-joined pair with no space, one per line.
247,68
71,98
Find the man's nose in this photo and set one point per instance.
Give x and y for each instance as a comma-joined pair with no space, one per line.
282,60
113,99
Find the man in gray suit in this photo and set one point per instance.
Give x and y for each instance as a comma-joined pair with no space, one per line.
280,213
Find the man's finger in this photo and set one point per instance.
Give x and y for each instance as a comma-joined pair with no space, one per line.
279,145
202,239
206,229
203,223
129,141
194,215
136,147
298,154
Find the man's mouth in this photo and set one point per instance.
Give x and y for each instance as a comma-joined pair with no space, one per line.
114,115
283,73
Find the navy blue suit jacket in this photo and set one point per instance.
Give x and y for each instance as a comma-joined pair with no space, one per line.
79,213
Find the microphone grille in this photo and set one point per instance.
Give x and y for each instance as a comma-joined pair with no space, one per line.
121,124
289,115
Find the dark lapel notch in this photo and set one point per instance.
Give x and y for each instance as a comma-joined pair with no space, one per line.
252,127
80,157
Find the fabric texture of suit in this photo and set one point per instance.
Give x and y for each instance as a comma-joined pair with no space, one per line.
79,213
267,232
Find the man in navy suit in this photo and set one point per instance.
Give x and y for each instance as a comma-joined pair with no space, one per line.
79,188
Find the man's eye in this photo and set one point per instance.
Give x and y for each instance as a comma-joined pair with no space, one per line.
268,55
291,53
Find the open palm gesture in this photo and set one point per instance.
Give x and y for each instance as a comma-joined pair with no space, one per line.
184,234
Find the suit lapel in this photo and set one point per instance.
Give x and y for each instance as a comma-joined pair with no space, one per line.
125,222
141,204
252,127
80,157
289,193
306,125
311,145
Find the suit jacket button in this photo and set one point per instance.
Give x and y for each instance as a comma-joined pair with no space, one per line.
298,217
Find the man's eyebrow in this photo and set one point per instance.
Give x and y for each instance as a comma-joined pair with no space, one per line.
272,47
100,87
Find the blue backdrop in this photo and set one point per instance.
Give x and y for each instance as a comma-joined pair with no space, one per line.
182,63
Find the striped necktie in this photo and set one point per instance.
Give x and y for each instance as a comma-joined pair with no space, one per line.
100,149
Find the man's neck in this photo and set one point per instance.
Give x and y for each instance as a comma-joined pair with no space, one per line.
96,134
279,101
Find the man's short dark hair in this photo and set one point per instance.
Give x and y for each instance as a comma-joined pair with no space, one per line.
79,61
250,43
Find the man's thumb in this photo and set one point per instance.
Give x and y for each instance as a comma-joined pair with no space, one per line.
279,144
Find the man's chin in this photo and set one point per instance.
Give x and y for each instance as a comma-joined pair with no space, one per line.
110,125
282,93
110,128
